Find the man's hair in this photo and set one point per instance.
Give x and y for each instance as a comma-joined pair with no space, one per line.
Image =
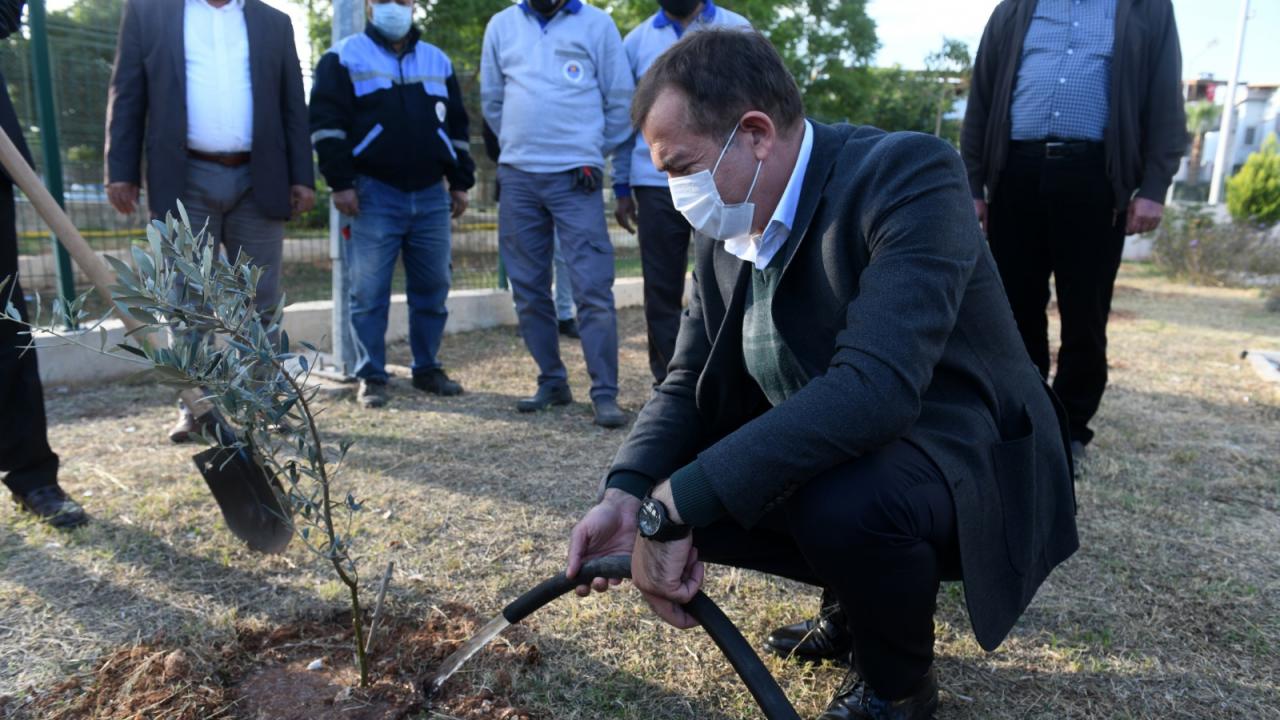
724,73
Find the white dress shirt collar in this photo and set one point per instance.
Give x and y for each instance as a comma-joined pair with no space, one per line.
760,249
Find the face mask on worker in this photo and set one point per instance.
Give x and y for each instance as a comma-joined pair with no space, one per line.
679,9
698,199
544,7
392,19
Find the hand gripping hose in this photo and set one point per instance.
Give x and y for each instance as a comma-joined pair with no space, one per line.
744,660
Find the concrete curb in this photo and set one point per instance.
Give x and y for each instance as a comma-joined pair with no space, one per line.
64,363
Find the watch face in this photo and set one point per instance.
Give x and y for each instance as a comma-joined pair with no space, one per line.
649,518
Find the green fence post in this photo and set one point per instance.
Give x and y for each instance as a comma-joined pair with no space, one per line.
48,115
502,275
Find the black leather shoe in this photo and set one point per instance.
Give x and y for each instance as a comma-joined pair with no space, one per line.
824,637
569,328
856,701
546,396
608,414
372,393
51,504
436,382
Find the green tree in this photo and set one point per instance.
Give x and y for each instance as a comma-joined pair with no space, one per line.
948,70
1253,194
827,44
82,41
1202,117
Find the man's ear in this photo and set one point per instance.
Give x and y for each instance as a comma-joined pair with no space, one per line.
761,132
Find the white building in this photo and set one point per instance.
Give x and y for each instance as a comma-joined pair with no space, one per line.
1257,110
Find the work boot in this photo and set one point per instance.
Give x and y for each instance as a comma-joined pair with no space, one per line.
608,414
436,382
824,637
569,328
53,506
372,393
546,396
188,428
855,700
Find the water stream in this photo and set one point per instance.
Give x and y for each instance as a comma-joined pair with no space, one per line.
464,653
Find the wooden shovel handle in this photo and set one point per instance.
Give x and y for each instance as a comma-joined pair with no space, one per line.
100,274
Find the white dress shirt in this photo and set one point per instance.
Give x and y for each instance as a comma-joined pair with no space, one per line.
760,249
219,90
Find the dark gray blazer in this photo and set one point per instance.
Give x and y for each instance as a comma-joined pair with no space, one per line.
147,108
893,304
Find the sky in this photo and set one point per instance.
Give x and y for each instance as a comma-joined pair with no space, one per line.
911,29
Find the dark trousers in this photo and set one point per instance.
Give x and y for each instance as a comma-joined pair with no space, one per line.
664,260
880,532
25,456
1057,216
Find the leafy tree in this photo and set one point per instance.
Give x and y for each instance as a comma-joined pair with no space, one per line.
1202,117
246,369
82,48
1253,194
827,44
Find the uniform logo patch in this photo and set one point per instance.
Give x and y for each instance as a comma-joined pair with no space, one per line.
573,71
440,111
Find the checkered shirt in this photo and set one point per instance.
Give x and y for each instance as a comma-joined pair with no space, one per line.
1064,80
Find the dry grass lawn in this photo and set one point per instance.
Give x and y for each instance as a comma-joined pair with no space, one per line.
1171,609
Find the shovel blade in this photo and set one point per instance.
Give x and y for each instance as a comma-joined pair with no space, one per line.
245,495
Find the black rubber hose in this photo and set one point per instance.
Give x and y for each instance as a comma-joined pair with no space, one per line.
764,688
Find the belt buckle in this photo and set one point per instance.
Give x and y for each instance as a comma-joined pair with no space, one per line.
1055,150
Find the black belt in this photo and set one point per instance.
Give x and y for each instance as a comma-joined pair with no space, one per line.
231,160
1056,148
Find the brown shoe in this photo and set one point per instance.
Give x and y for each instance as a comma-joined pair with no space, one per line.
188,428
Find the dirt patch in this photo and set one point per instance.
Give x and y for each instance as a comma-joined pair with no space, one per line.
267,674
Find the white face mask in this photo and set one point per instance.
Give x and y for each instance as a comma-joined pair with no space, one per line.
698,199
392,19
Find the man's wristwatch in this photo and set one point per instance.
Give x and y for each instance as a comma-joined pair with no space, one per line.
656,523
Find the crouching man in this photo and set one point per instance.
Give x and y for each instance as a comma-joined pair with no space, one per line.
850,404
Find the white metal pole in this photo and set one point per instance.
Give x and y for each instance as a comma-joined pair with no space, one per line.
1226,147
348,19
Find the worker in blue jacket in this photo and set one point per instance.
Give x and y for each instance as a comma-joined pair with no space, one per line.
389,126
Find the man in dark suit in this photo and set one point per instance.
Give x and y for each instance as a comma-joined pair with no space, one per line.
212,90
30,467
849,404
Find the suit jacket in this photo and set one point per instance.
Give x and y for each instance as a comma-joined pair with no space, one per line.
1146,135
892,303
146,106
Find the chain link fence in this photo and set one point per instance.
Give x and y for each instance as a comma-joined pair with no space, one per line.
81,64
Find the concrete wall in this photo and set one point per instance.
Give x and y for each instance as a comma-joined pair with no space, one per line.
64,363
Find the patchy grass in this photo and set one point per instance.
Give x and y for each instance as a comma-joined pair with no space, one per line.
1170,610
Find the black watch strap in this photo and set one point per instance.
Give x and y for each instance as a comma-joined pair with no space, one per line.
656,523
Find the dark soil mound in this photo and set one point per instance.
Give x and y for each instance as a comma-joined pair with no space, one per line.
264,675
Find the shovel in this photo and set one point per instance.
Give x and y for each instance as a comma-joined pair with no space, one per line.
246,497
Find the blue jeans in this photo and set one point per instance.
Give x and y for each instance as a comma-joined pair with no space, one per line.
392,223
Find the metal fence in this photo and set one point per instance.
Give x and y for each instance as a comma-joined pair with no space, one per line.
81,70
